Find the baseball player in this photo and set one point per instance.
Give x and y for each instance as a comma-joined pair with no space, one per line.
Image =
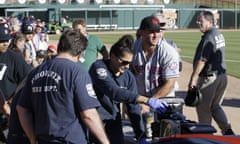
160,16
155,63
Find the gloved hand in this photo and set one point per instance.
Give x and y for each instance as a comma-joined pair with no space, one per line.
142,141
158,105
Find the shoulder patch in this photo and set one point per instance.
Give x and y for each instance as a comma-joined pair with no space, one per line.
90,91
102,73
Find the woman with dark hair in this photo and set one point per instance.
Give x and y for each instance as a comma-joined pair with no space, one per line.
114,83
17,44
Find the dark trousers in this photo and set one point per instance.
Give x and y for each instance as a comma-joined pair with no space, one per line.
2,137
3,126
44,142
114,130
14,139
52,140
135,116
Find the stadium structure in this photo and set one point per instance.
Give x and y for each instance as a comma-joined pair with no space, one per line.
123,14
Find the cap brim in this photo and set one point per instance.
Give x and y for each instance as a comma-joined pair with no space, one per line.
153,29
28,33
52,49
5,39
162,24
1,41
163,28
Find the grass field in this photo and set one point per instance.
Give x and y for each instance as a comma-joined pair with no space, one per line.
187,41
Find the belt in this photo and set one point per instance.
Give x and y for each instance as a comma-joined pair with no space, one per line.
52,140
18,135
210,74
207,75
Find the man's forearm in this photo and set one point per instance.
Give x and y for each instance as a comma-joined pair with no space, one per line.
142,99
92,119
25,118
166,88
6,108
196,71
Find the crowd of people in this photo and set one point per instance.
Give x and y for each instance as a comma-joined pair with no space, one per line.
68,94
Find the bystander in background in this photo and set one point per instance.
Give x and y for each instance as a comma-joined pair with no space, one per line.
209,73
95,45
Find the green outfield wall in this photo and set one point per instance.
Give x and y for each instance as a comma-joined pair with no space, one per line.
117,17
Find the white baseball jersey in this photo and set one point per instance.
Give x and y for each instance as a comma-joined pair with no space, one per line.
163,64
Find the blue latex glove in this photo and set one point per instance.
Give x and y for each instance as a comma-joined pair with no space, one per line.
158,105
142,141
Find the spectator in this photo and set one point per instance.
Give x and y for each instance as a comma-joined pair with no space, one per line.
155,65
51,51
40,37
95,45
13,69
41,56
29,45
17,45
42,42
209,73
37,33
114,83
15,25
58,101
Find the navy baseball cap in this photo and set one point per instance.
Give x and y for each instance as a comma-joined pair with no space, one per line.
150,23
27,29
4,33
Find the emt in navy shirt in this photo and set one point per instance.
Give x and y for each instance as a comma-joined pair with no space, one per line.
114,83
13,69
58,102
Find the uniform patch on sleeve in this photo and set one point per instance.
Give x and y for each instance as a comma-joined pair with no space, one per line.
90,91
102,73
173,66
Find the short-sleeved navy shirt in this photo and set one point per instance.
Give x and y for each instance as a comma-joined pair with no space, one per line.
13,69
56,92
211,49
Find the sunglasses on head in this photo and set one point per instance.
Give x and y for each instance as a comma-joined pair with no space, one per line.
123,62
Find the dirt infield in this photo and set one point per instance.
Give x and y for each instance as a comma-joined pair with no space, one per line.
231,102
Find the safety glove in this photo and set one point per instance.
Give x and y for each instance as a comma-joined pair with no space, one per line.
158,105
